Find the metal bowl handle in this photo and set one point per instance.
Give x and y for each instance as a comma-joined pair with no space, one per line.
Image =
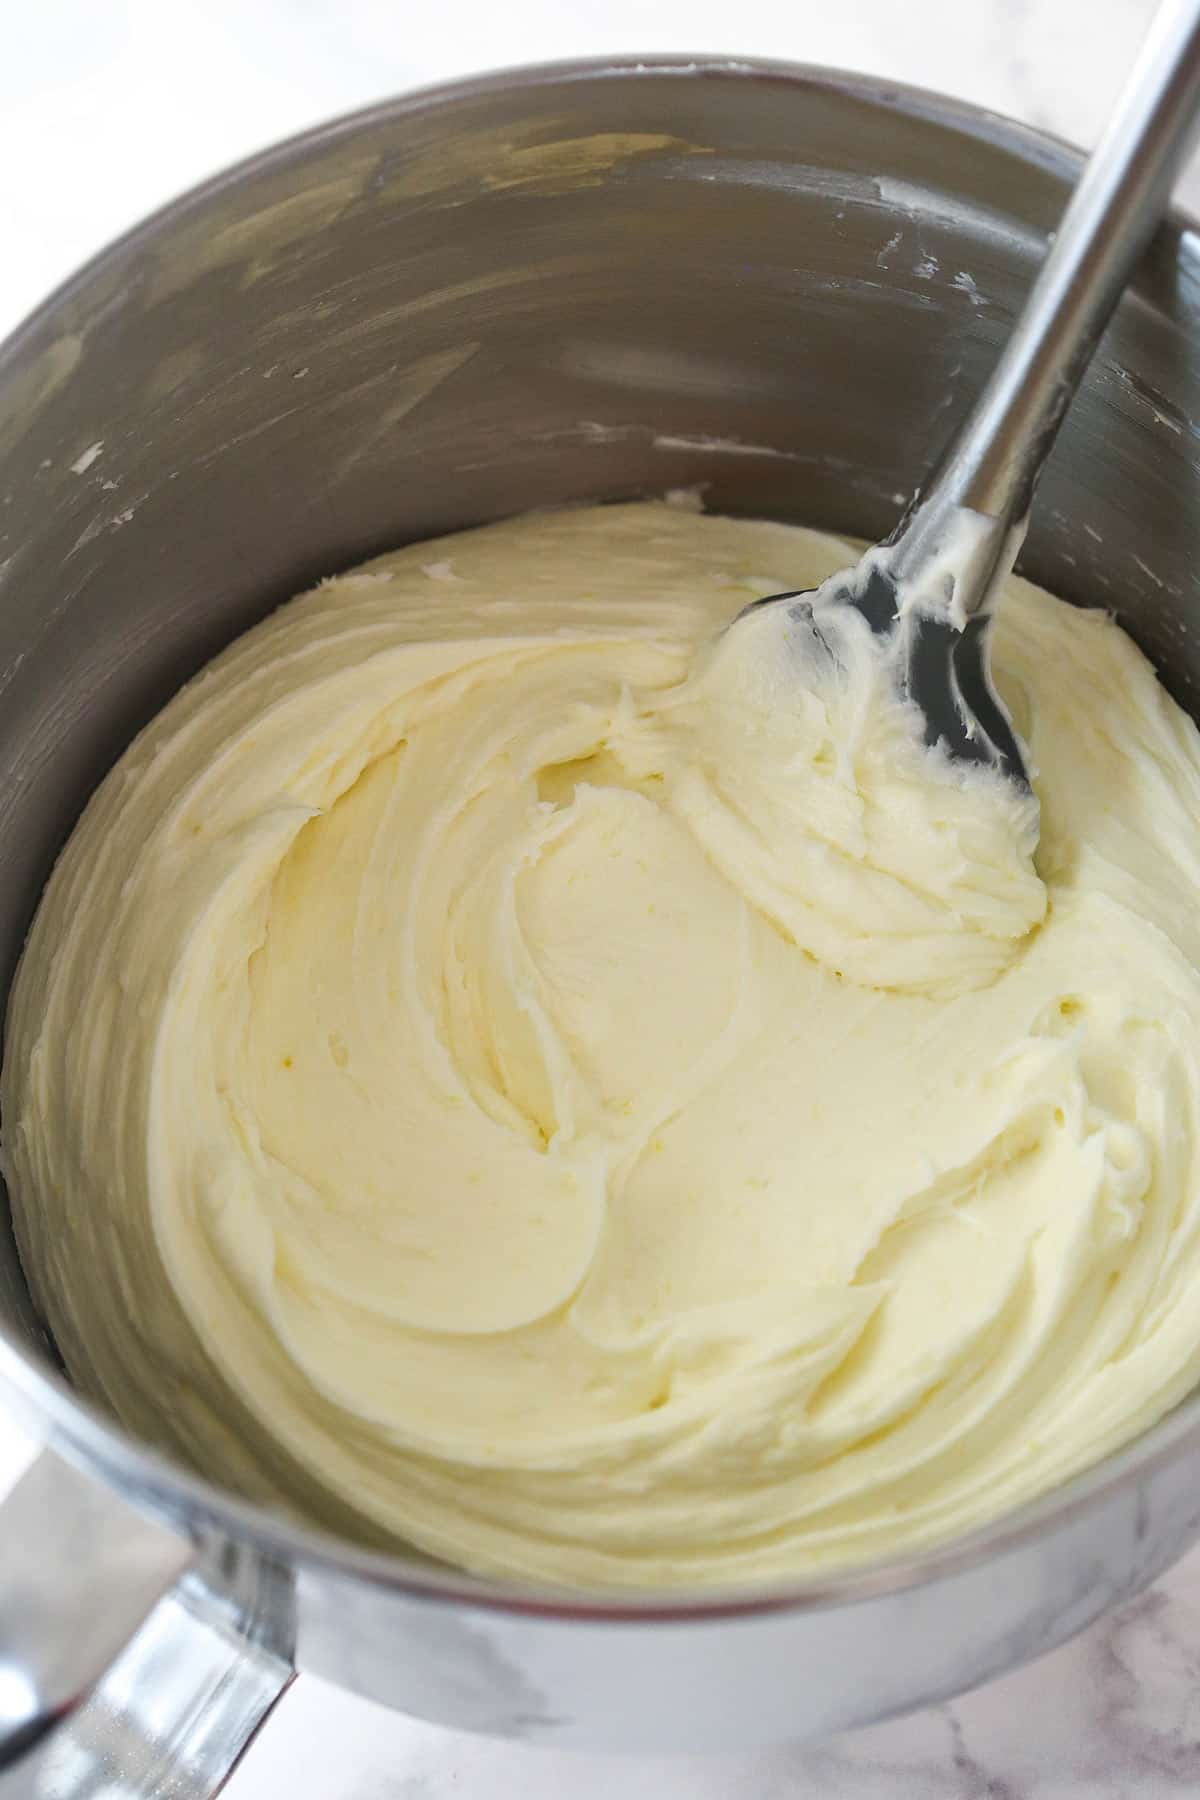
120,1673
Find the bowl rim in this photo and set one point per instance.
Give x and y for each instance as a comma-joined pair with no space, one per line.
146,1478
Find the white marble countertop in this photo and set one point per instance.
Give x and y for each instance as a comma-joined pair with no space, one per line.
105,111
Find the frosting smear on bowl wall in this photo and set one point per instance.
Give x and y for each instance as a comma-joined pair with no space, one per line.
509,1064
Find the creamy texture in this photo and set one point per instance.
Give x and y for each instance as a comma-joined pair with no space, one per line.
505,1064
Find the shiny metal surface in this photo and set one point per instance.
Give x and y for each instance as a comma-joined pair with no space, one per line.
574,283
136,1658
64,1534
171,1718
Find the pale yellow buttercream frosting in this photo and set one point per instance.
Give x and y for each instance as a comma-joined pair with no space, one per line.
507,1064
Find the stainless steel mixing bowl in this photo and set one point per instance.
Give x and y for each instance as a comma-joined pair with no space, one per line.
583,282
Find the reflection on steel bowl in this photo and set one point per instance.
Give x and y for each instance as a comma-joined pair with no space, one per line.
567,284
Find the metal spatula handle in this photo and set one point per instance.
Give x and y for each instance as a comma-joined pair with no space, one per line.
993,464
